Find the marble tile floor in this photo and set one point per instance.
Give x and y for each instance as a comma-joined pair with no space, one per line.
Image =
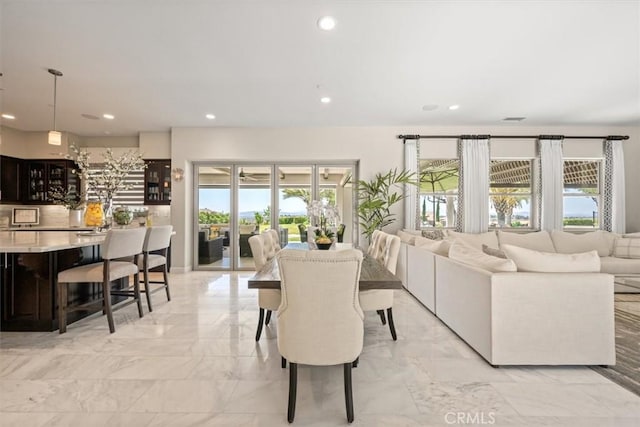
194,362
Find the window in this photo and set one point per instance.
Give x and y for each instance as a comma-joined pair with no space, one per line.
510,193
581,199
132,197
438,192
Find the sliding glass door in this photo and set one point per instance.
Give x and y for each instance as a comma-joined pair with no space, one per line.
233,201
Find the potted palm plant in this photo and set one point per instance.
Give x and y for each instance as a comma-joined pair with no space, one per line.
378,195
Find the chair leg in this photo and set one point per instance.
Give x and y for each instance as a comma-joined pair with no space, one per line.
136,293
283,363
293,383
106,294
147,287
392,327
260,321
381,314
62,307
348,392
266,322
166,281
355,362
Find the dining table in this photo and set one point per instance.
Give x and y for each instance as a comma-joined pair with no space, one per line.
373,274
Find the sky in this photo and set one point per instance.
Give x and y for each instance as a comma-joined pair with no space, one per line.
254,200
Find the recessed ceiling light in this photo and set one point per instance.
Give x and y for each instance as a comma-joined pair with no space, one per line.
325,100
8,116
108,116
210,116
429,107
454,107
327,23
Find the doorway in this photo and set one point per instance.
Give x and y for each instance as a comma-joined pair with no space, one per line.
235,200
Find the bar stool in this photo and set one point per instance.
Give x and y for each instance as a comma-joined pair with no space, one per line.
157,238
118,244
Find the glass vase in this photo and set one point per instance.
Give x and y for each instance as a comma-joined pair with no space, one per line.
94,215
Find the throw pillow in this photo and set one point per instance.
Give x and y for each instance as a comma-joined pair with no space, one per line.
493,252
538,241
551,262
433,234
627,248
570,243
476,240
475,257
440,247
406,237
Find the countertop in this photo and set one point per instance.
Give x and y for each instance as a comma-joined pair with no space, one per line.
45,228
46,241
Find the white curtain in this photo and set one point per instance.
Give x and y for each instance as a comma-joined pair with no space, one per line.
551,179
411,192
474,158
613,207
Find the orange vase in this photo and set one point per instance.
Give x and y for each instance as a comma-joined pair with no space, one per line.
94,215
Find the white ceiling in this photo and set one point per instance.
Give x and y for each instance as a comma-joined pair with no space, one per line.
161,64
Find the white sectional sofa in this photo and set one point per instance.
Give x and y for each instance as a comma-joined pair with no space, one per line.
520,318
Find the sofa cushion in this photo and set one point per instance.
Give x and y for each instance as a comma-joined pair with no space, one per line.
537,241
408,238
570,243
440,247
627,248
613,265
493,252
476,240
551,262
470,255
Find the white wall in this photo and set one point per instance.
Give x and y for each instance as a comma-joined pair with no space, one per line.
155,145
377,148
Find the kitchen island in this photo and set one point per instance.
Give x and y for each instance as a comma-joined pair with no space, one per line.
30,262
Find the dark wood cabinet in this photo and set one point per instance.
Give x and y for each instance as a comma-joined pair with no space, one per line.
10,168
157,182
42,176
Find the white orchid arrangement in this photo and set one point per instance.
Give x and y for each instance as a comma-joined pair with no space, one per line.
326,214
110,180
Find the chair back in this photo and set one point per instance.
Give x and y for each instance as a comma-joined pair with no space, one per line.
275,238
390,252
320,321
375,246
158,237
121,243
263,248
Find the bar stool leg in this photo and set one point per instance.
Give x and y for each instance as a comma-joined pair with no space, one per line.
136,293
147,289
166,281
106,293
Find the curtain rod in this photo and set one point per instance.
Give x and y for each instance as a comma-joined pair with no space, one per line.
609,137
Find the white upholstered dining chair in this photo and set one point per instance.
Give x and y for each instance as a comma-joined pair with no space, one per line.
264,248
119,243
319,320
385,249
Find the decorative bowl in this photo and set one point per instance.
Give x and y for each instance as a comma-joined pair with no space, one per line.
323,246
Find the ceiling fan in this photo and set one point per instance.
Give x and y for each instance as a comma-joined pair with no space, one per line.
246,176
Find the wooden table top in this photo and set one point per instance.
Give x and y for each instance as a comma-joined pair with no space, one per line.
373,275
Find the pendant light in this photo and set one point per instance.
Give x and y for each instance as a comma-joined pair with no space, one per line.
55,137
